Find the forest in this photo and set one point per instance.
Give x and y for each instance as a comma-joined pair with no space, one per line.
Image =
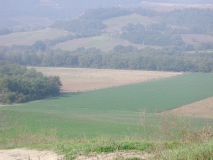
19,84
121,57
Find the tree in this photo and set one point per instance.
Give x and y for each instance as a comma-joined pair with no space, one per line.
39,45
19,84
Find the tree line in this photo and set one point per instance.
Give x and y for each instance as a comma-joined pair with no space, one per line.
19,84
197,21
121,57
154,34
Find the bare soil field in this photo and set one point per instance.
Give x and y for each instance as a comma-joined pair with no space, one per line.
84,79
24,154
1,105
173,6
203,108
28,38
196,38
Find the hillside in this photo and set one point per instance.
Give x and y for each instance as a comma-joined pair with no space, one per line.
122,79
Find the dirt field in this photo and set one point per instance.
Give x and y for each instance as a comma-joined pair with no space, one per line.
24,154
173,6
79,80
203,108
196,38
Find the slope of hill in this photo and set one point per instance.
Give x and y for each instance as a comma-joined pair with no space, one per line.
28,38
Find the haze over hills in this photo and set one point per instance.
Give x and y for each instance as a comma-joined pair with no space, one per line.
93,34
70,8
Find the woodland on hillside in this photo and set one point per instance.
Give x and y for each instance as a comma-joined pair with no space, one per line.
19,84
166,33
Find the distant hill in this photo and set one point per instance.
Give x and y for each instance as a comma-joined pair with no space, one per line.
182,1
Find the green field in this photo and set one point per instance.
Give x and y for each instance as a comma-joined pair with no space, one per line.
109,40
112,111
116,24
28,38
105,42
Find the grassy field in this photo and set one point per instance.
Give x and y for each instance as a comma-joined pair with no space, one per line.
115,24
28,38
112,111
108,120
108,40
105,42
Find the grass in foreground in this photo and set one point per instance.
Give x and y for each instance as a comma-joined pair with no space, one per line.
189,143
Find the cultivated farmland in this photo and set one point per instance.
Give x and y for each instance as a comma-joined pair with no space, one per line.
28,38
196,38
115,24
105,42
109,40
112,111
120,116
202,108
84,79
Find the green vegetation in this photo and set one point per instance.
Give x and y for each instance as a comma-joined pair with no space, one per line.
154,34
116,24
198,21
121,57
113,119
81,27
17,84
123,50
104,111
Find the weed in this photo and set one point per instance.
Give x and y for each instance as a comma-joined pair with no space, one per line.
24,137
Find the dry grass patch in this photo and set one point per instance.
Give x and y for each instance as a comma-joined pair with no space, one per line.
203,108
116,155
196,38
83,79
173,6
28,38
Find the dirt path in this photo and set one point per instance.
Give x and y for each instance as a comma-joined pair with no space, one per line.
116,155
203,108
2,105
24,154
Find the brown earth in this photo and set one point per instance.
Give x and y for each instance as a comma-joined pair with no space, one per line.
196,38
173,6
84,79
203,108
116,155
24,154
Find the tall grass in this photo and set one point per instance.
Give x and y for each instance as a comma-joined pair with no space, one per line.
167,137
22,137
